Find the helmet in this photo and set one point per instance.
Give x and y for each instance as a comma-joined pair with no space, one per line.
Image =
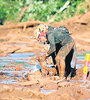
42,27
41,30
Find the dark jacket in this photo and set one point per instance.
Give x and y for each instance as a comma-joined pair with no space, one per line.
58,35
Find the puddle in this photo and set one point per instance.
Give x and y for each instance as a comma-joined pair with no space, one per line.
16,59
23,58
87,99
85,85
18,44
80,59
8,81
48,91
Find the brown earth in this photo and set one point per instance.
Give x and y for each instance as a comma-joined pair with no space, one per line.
21,40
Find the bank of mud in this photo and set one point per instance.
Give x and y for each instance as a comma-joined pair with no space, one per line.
41,88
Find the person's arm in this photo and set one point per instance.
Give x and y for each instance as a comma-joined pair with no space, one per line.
52,44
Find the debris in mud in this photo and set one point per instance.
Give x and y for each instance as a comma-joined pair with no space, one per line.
44,69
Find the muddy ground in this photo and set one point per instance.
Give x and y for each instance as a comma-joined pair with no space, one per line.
34,86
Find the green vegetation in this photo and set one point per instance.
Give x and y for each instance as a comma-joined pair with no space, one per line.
42,10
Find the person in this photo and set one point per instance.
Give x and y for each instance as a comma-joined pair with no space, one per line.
62,47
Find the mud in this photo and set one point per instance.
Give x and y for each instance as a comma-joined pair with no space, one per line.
20,78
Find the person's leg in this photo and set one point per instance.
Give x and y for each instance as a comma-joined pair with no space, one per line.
68,60
60,62
58,46
53,55
60,58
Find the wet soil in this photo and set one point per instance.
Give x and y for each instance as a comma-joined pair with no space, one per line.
20,78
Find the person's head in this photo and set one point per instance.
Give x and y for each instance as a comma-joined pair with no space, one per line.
40,32
42,27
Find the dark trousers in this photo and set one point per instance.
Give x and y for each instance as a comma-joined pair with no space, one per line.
68,59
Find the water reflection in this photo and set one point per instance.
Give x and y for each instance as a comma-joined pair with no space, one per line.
8,81
47,91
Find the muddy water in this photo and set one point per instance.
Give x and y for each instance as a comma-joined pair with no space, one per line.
80,59
23,59
15,59
47,91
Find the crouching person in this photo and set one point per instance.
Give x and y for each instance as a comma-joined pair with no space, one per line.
61,49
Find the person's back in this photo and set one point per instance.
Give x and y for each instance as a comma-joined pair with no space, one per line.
58,36
63,29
